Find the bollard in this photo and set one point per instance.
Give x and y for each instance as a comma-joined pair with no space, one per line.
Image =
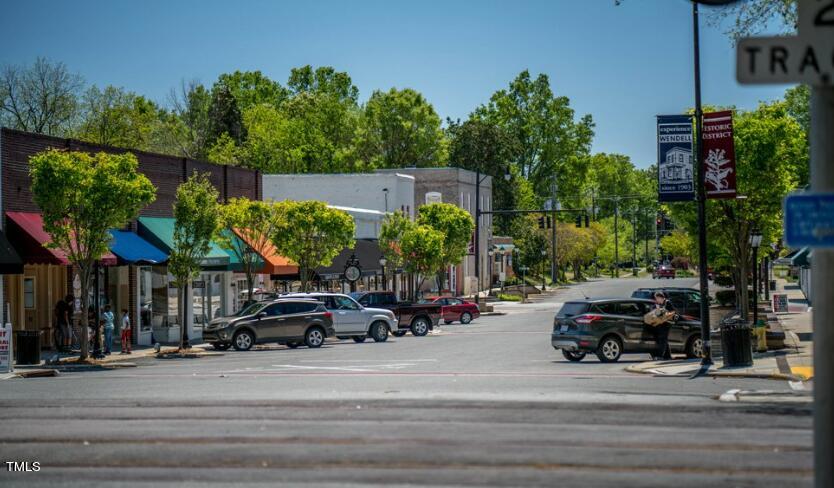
761,336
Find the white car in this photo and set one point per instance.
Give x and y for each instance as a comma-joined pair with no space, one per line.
352,320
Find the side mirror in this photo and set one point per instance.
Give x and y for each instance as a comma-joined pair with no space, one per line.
260,315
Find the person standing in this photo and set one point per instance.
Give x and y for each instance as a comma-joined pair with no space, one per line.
125,330
109,325
664,307
63,315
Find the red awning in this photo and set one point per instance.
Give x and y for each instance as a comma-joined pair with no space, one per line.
29,240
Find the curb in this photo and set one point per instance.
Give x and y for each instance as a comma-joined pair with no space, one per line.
643,369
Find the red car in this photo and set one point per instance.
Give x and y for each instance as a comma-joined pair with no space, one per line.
456,309
664,271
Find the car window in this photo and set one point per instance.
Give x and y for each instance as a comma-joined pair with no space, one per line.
304,307
345,303
455,301
642,294
572,308
606,308
694,297
275,309
631,309
365,299
252,309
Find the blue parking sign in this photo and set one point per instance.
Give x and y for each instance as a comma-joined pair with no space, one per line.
809,220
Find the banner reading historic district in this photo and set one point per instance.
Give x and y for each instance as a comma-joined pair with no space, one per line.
719,155
675,179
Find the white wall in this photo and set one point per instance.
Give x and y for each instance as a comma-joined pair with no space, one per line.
360,190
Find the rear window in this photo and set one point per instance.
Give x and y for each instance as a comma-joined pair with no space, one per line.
572,308
605,308
642,294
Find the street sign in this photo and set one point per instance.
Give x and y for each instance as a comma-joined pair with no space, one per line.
6,348
806,58
809,220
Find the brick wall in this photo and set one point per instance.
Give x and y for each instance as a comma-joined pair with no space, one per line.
165,172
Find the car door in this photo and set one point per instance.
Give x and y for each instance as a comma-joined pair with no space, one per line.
350,314
266,324
291,323
610,322
693,304
454,308
632,314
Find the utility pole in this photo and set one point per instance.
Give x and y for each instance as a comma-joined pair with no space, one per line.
616,237
701,196
477,237
554,187
634,243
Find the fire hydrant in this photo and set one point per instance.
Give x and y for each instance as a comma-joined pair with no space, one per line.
761,336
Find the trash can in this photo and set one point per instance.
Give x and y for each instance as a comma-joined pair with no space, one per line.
736,344
27,345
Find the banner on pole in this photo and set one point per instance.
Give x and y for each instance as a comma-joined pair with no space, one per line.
675,181
5,348
719,155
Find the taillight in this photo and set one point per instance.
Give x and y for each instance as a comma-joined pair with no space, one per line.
587,318
328,315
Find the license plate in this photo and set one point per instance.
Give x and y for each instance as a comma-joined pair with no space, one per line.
563,328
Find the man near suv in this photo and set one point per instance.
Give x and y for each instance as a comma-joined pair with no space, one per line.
661,331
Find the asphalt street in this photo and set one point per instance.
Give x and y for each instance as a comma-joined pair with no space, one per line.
485,404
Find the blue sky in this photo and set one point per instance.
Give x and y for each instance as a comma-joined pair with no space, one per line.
621,64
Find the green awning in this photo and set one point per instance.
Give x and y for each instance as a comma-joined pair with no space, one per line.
802,257
159,231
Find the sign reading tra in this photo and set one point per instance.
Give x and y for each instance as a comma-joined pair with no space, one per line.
806,58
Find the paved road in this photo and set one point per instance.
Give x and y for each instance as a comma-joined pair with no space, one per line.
487,404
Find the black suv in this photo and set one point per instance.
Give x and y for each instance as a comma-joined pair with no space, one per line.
611,327
687,301
290,322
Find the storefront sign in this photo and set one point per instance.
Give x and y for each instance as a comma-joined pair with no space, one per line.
809,220
780,303
5,348
719,155
198,284
675,181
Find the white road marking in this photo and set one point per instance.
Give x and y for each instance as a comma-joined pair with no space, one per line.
729,396
362,360
798,385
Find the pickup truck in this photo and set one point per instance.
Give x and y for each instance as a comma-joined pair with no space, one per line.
419,318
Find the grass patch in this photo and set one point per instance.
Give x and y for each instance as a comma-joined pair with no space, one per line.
509,298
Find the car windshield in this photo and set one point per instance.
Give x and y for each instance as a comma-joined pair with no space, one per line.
572,308
251,309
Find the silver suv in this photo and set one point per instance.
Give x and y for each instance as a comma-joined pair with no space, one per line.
352,320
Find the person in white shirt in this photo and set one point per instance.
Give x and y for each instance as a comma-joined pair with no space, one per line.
125,329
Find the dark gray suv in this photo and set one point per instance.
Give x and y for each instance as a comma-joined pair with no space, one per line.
290,322
611,327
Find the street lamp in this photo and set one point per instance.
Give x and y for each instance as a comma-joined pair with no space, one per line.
544,256
523,270
382,263
755,242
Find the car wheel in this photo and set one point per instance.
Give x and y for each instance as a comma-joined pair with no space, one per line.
420,327
314,337
573,355
610,349
465,318
358,338
293,345
243,340
379,331
695,347
399,333
221,346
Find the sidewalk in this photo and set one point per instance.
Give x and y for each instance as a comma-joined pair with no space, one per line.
793,363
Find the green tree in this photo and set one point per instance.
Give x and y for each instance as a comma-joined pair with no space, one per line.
187,126
771,151
224,116
752,16
226,151
82,197
532,247
196,221
422,247
253,222
400,129
394,225
251,88
116,117
550,140
323,80
40,98
456,226
679,244
311,234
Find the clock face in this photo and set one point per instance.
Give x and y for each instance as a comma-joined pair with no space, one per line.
352,273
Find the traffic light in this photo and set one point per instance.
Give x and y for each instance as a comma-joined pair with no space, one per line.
548,222
579,220
541,222
587,221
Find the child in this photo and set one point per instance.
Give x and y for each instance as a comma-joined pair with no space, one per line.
125,328
109,325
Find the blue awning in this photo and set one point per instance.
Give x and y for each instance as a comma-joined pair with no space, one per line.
132,249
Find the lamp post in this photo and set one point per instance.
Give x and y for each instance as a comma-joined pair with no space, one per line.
544,257
755,242
491,254
382,263
523,270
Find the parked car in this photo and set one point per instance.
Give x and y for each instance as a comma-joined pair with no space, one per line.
687,301
419,318
664,271
352,320
611,327
457,310
289,322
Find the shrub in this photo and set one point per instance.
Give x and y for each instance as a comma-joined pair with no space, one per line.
509,298
680,263
726,298
684,273
650,269
723,280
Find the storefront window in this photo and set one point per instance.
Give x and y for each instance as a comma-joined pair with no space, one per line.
145,298
29,292
209,298
164,298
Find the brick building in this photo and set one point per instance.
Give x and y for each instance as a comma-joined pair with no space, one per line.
131,280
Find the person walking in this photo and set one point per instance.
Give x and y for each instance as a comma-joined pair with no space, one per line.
125,329
109,325
63,316
664,307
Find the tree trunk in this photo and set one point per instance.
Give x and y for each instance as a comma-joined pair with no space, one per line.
250,283
85,323
181,315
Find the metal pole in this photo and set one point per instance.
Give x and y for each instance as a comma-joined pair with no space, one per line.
634,244
477,237
822,293
616,237
701,198
553,266
755,285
